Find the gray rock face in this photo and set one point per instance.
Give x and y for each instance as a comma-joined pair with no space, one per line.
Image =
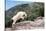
27,25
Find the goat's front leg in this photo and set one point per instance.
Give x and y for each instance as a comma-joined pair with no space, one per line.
13,25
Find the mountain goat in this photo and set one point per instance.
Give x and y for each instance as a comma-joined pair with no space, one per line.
19,15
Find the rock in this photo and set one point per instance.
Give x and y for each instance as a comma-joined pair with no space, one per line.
24,25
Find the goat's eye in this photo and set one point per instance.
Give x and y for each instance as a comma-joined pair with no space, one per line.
23,15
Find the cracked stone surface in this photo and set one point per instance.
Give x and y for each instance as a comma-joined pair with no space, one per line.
26,25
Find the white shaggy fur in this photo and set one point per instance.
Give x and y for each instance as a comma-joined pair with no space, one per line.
18,16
